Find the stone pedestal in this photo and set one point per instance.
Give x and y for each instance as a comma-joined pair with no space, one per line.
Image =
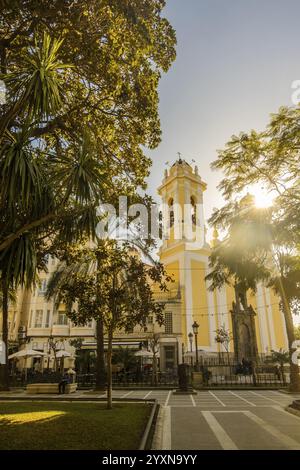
197,379
185,380
244,334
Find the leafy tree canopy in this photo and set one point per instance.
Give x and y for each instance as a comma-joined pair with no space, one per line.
269,158
114,285
81,101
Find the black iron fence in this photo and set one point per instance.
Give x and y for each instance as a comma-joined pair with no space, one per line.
86,380
212,376
224,370
162,379
216,372
229,376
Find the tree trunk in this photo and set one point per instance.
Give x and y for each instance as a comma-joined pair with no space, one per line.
100,363
109,370
294,368
154,370
282,374
228,362
254,374
55,360
4,371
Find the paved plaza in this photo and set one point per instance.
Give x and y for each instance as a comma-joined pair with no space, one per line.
222,419
216,419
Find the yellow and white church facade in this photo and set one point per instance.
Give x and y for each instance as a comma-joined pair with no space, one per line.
189,265
33,320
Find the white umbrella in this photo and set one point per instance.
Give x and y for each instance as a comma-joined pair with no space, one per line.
26,353
189,354
62,353
145,354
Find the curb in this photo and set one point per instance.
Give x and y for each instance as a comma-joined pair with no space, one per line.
150,428
162,435
128,387
293,411
205,389
76,399
287,392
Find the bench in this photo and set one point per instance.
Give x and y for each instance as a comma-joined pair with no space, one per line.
49,388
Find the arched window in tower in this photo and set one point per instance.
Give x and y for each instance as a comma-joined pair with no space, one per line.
193,211
160,225
171,212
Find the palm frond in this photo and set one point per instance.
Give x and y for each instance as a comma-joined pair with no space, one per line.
38,85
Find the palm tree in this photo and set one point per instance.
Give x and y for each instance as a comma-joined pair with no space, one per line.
18,268
282,358
44,197
257,249
126,357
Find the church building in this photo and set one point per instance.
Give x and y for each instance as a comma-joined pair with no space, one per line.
257,326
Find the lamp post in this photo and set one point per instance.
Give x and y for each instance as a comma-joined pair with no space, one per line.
190,335
182,352
195,327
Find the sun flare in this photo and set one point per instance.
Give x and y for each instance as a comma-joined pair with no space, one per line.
263,198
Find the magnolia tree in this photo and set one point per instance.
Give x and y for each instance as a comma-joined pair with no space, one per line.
118,292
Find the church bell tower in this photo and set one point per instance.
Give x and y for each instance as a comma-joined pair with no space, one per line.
184,251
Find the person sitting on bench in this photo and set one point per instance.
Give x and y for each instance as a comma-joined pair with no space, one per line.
62,384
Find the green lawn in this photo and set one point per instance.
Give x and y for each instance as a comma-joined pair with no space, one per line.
71,426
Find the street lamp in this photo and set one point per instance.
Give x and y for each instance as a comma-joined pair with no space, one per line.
195,327
182,352
190,335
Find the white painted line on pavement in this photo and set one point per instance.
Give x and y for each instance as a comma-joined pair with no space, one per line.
147,395
166,437
228,411
283,438
216,398
193,400
241,398
127,394
182,406
220,433
263,396
168,398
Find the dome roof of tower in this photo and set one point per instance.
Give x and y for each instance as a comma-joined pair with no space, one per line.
180,161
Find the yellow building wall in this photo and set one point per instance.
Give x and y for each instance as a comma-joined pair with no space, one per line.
176,250
181,194
278,322
200,304
217,323
252,301
173,269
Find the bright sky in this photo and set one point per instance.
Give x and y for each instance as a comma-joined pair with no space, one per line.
236,61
